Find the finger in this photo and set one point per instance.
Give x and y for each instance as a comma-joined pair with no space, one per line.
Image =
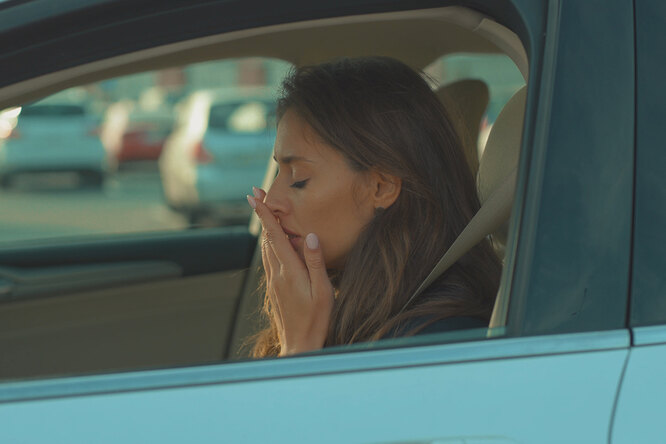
273,262
264,259
320,284
266,252
259,193
273,265
276,236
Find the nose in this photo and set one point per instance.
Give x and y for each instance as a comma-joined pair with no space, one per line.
276,200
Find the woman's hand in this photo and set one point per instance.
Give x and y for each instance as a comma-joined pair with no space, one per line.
301,294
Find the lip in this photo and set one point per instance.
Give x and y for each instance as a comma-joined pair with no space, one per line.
290,233
294,239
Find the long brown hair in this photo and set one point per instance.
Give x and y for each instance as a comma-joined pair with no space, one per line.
382,115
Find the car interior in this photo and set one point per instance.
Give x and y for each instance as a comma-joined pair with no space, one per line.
101,304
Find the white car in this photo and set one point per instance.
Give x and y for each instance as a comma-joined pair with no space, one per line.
217,151
33,132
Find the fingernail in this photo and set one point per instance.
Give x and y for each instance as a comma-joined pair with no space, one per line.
255,191
312,241
252,202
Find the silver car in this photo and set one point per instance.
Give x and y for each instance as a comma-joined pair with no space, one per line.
34,131
217,151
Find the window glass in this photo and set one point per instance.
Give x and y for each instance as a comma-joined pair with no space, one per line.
248,116
499,73
112,157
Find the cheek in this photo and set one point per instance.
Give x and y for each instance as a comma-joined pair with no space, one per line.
339,221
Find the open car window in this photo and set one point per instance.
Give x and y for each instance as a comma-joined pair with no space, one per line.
165,145
112,157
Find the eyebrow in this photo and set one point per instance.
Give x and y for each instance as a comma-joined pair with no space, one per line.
286,160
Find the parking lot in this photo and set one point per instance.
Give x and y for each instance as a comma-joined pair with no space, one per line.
48,206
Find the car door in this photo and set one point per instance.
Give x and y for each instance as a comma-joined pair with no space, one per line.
550,373
641,402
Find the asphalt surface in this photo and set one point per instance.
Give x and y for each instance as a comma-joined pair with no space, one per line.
48,206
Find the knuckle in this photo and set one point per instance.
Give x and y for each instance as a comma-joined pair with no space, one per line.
270,236
315,261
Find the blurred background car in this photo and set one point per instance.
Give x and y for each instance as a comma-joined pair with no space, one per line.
218,150
144,137
56,135
134,133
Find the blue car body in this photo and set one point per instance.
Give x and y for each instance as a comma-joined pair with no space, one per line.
581,353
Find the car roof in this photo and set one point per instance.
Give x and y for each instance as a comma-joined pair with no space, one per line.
102,30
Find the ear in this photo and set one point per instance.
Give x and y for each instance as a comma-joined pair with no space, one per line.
385,189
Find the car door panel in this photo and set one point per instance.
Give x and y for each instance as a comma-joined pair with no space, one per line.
640,412
194,251
641,404
465,396
121,303
158,324
22,284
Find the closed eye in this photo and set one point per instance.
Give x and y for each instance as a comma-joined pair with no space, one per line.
299,184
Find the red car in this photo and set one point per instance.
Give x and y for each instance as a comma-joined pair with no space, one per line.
144,137
131,135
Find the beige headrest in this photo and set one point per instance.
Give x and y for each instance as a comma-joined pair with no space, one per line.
500,157
466,101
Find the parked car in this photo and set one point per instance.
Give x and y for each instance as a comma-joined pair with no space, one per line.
217,152
133,135
144,138
34,130
138,338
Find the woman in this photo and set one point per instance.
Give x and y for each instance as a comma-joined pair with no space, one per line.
372,188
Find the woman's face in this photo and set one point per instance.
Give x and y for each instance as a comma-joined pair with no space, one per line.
316,191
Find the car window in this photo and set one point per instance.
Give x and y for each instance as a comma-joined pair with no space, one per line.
164,142
250,116
92,160
165,145
498,72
